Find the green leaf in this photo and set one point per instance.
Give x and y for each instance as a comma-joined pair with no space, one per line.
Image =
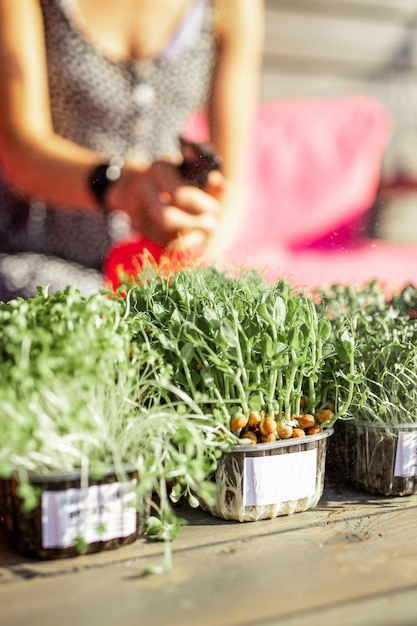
210,316
324,329
80,544
345,346
176,493
166,342
294,339
193,501
207,376
280,310
159,309
187,352
154,526
256,401
265,314
228,334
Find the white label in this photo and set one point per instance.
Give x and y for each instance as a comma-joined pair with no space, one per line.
96,513
279,478
406,457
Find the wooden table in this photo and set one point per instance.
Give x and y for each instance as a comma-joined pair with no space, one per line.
350,561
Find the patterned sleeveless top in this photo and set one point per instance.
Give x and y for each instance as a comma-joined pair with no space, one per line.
114,107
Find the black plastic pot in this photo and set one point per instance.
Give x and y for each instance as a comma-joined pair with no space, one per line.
75,515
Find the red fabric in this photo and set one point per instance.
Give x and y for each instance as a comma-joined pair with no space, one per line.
126,259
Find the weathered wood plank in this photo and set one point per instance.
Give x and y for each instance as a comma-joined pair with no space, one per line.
363,9
205,530
345,558
340,43
393,608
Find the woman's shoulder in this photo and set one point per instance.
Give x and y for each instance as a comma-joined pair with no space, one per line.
239,22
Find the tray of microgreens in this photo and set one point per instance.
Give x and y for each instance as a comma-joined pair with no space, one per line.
82,401
253,356
376,448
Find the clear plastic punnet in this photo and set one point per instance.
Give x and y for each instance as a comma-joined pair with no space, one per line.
263,481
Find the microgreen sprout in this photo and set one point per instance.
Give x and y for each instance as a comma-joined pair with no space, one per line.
385,354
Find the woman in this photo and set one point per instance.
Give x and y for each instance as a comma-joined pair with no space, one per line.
94,96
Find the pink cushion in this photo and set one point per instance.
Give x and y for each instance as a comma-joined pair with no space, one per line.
394,265
314,167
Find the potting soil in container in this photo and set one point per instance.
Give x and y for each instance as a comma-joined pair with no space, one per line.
379,458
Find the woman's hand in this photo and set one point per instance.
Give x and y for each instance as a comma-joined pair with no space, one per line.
165,209
212,193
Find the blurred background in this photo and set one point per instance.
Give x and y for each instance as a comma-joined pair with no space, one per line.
325,48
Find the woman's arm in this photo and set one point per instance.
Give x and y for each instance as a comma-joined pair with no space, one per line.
39,163
35,160
234,96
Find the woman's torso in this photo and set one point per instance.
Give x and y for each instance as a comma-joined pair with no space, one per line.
129,106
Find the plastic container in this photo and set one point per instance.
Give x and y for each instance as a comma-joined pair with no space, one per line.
73,518
263,481
378,458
